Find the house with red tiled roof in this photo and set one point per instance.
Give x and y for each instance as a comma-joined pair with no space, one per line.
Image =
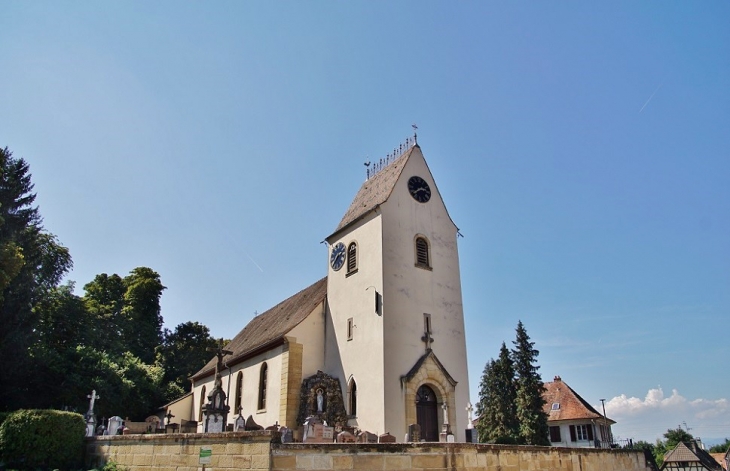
689,456
378,343
573,422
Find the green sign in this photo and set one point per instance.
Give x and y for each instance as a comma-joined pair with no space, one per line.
205,454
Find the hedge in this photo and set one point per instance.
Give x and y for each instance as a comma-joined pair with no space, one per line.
42,439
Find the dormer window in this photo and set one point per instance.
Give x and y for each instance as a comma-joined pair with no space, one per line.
556,406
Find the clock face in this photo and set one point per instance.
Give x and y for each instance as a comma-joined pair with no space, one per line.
337,258
419,189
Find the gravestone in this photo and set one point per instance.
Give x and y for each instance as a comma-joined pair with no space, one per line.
287,435
471,434
90,417
153,423
386,438
115,426
367,437
414,433
213,422
240,424
317,432
345,437
251,425
215,412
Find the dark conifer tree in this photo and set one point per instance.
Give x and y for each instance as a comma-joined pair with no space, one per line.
32,262
496,408
530,402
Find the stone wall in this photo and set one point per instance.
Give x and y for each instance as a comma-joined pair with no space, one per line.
259,451
452,457
181,451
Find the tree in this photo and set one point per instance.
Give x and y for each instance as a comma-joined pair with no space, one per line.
496,407
674,436
126,312
721,447
142,313
530,388
184,351
32,262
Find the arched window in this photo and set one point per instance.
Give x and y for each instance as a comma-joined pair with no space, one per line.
202,403
239,392
351,258
423,258
262,386
352,393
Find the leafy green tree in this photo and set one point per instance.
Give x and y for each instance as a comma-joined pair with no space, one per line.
675,435
126,313
104,300
721,447
497,399
184,351
32,262
142,313
529,401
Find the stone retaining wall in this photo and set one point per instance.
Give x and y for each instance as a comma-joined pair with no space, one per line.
452,457
181,451
261,451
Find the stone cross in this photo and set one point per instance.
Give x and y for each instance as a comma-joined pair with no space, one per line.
469,408
93,396
219,352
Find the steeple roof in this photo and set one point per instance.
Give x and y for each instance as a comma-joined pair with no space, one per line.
375,191
571,405
268,329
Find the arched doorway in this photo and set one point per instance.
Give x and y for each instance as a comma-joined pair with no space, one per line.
427,414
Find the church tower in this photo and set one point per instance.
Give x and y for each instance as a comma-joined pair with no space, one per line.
394,329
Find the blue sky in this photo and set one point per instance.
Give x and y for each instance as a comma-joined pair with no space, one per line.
582,150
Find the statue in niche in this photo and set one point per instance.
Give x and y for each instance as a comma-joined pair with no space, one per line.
320,400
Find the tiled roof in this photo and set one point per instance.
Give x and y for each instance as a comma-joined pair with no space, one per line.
691,452
271,326
720,458
572,406
375,191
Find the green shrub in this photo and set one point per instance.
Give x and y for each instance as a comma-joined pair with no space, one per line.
42,439
3,416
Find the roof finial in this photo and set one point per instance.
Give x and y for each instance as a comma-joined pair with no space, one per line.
415,135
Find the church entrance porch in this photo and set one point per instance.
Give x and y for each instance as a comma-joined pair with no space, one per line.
427,414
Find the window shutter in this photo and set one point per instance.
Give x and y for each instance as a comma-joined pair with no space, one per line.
590,431
555,434
352,258
572,433
422,252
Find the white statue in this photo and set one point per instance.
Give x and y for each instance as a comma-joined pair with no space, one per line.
320,401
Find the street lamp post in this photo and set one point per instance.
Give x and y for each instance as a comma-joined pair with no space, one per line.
605,421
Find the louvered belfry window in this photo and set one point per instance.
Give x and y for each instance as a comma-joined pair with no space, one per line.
422,252
352,258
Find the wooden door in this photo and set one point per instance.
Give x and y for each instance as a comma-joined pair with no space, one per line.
427,414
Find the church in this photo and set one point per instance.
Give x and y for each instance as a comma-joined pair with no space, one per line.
379,342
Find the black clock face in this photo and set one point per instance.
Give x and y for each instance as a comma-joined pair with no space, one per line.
419,189
337,258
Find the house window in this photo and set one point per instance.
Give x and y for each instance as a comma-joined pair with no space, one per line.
427,323
239,392
352,258
350,327
352,387
554,434
556,406
202,403
423,258
581,432
262,386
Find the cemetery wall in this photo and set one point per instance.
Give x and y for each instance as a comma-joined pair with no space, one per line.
451,457
255,451
181,451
